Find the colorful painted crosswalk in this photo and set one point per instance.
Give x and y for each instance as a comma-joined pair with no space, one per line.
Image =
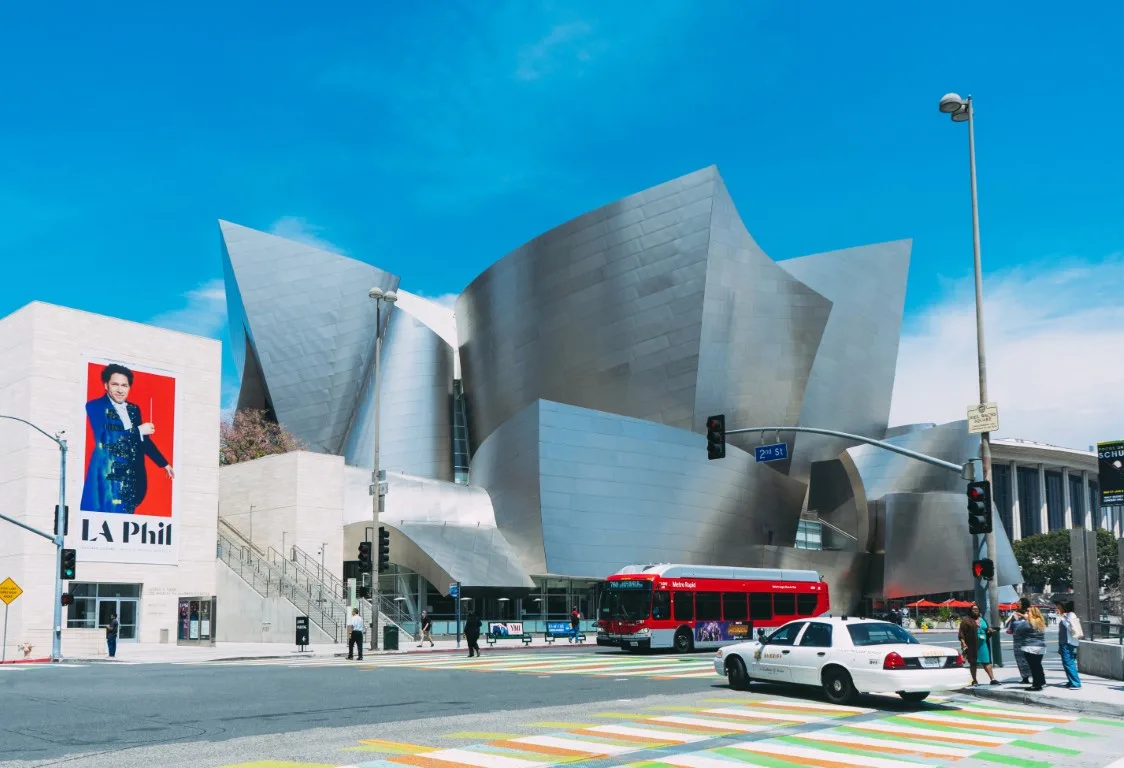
776,732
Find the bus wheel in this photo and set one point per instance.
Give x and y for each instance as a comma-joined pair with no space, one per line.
684,643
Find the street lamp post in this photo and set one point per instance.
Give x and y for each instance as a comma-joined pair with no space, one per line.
379,295
59,538
962,111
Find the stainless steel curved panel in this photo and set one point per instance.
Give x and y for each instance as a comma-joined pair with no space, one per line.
416,415
614,490
761,330
311,322
602,312
852,381
448,531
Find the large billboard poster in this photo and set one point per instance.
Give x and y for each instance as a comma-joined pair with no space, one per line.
128,507
1110,466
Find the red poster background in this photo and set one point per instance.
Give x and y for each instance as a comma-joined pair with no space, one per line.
155,395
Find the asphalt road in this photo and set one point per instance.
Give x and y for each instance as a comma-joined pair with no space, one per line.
63,710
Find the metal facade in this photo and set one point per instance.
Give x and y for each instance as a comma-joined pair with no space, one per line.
589,358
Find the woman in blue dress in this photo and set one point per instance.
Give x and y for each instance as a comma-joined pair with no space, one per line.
975,642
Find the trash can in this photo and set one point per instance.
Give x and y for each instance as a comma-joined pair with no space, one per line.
390,638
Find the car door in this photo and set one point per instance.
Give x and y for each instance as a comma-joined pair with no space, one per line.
810,653
772,658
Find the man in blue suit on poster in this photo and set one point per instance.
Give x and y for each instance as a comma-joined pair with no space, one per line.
116,480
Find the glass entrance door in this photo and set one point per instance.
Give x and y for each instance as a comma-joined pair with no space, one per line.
126,610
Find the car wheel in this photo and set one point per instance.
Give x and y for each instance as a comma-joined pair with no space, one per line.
684,643
736,674
914,697
837,686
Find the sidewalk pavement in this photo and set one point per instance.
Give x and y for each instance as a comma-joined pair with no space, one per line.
1096,696
157,653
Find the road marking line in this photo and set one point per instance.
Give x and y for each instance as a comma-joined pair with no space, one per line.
821,757
648,733
964,722
390,747
810,706
593,748
463,757
755,715
904,745
936,734
723,726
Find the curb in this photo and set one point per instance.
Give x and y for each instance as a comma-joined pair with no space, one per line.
1080,706
27,661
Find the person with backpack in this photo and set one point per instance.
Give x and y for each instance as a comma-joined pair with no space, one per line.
575,624
1069,637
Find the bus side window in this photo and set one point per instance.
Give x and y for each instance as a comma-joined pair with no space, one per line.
784,604
661,605
733,606
806,604
684,606
708,606
760,606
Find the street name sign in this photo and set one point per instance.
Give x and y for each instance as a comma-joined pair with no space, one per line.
454,590
983,418
774,452
9,591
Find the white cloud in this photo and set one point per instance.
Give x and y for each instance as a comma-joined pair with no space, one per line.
1053,334
300,230
203,313
566,45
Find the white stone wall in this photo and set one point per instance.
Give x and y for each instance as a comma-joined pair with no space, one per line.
43,354
297,499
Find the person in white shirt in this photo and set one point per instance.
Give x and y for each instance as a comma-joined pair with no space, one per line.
1069,640
356,638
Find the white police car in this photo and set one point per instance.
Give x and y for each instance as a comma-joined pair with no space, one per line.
845,657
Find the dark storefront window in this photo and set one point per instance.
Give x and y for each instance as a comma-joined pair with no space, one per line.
1055,501
1030,504
1001,495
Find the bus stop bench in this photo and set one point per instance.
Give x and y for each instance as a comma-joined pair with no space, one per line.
556,630
494,637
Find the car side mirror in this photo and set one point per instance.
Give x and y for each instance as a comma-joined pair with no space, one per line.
761,635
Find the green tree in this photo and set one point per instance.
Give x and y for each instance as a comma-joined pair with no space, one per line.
1045,559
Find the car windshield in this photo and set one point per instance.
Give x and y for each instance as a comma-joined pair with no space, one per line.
625,601
879,633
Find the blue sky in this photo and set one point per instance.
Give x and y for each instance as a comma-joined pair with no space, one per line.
432,138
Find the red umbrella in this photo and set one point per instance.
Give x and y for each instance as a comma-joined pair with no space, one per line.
921,604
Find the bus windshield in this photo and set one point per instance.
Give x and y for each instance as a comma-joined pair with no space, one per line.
625,600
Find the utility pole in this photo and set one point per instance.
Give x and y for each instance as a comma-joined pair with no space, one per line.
59,539
962,111
389,297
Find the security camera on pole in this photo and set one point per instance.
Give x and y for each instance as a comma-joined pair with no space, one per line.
378,490
962,111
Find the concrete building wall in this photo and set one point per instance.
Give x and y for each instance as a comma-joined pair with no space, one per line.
296,498
44,355
244,616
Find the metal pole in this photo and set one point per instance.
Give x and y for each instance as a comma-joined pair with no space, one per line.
375,479
458,614
56,636
992,587
4,647
857,438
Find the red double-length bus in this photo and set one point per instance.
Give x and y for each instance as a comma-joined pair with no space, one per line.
701,606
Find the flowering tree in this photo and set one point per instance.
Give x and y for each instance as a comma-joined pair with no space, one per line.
250,434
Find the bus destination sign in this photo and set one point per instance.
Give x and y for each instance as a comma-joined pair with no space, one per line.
630,584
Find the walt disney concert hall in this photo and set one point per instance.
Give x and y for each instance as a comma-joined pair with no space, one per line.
551,424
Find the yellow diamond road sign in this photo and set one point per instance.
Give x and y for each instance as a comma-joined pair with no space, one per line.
9,591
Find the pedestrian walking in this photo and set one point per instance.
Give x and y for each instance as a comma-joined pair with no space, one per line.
426,630
575,624
1030,635
356,638
472,634
1069,636
975,642
1018,615
111,631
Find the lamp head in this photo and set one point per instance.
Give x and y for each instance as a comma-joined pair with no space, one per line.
375,293
390,297
960,117
951,103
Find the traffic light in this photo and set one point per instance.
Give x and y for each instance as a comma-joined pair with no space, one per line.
67,598
716,437
365,556
979,507
384,549
983,569
69,564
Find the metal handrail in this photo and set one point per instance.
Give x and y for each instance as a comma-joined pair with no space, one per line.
387,606
269,580
1106,630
